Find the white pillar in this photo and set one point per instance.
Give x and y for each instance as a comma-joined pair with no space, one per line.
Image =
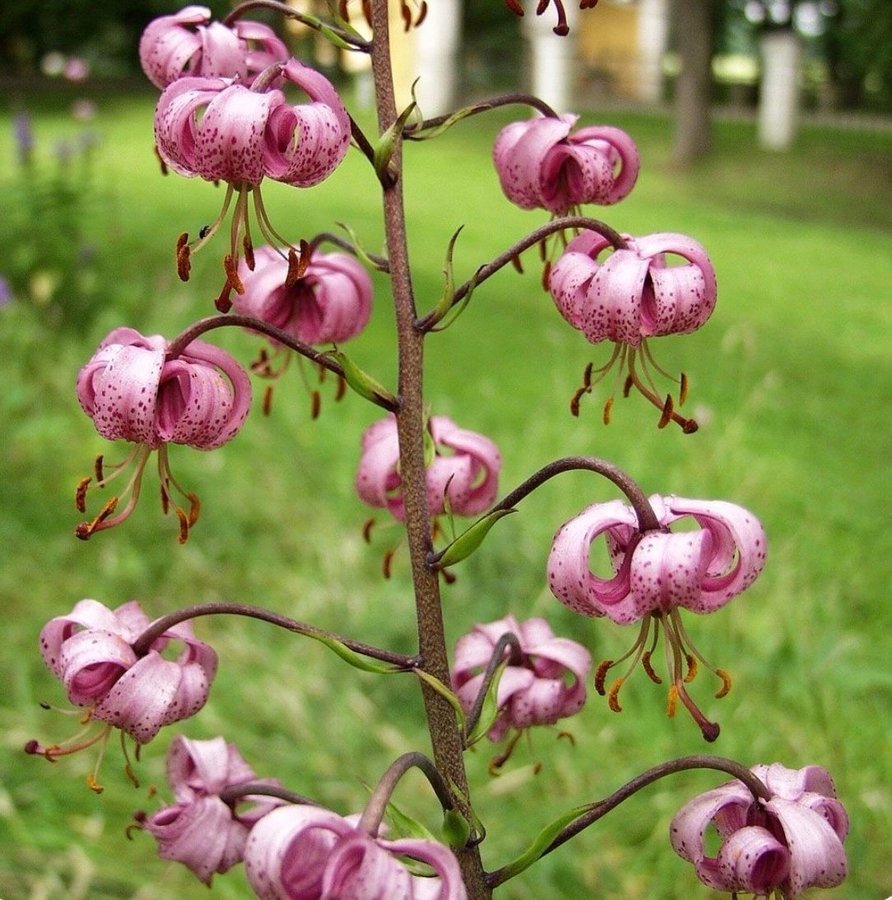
653,38
779,95
553,58
436,44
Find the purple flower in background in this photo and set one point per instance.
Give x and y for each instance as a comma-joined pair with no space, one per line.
656,573
306,853
24,138
188,43
462,475
786,844
6,295
330,303
91,651
546,682
133,390
542,165
76,69
201,830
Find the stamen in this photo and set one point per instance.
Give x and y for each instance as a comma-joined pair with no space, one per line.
613,695
448,577
497,762
546,272
341,389
407,17
648,667
692,668
367,530
194,507
515,7
682,389
223,303
80,495
601,675
231,267
267,400
248,249
422,13
387,563
608,407
184,525
293,275
672,702
315,405
518,265
725,689
666,416
97,469
184,264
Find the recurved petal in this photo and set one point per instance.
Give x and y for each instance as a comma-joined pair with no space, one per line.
288,849
166,47
198,768
201,835
90,664
377,478
753,860
688,827
569,576
613,300
448,883
618,147
519,153
229,141
738,550
176,131
817,857
360,869
668,569
572,174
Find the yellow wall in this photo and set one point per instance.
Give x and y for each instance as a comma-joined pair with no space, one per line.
608,47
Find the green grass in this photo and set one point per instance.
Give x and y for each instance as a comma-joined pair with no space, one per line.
791,378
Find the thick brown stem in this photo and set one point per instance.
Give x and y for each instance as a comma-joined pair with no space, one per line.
446,739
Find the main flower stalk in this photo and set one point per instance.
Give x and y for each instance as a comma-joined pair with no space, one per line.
446,740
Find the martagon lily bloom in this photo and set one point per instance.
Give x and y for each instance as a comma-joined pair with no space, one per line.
631,296
783,845
462,475
189,43
132,389
542,684
329,303
306,853
91,651
655,574
542,165
201,830
222,130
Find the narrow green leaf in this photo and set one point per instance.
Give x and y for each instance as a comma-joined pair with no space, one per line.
468,541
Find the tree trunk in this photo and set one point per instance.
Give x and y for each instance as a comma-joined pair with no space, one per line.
694,36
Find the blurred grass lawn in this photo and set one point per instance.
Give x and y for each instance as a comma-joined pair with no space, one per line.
791,379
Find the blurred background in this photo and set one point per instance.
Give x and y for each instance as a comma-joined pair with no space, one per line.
764,131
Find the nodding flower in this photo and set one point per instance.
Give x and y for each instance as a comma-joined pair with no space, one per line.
329,303
633,295
543,682
189,43
783,844
134,390
201,829
542,165
462,471
654,575
301,852
222,130
91,651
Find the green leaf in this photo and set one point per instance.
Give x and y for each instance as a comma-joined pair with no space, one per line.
468,541
360,381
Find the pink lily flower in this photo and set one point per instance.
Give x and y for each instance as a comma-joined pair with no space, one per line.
462,475
657,572
222,130
201,830
633,295
169,48
786,844
133,390
306,853
330,303
91,651
541,165
545,684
